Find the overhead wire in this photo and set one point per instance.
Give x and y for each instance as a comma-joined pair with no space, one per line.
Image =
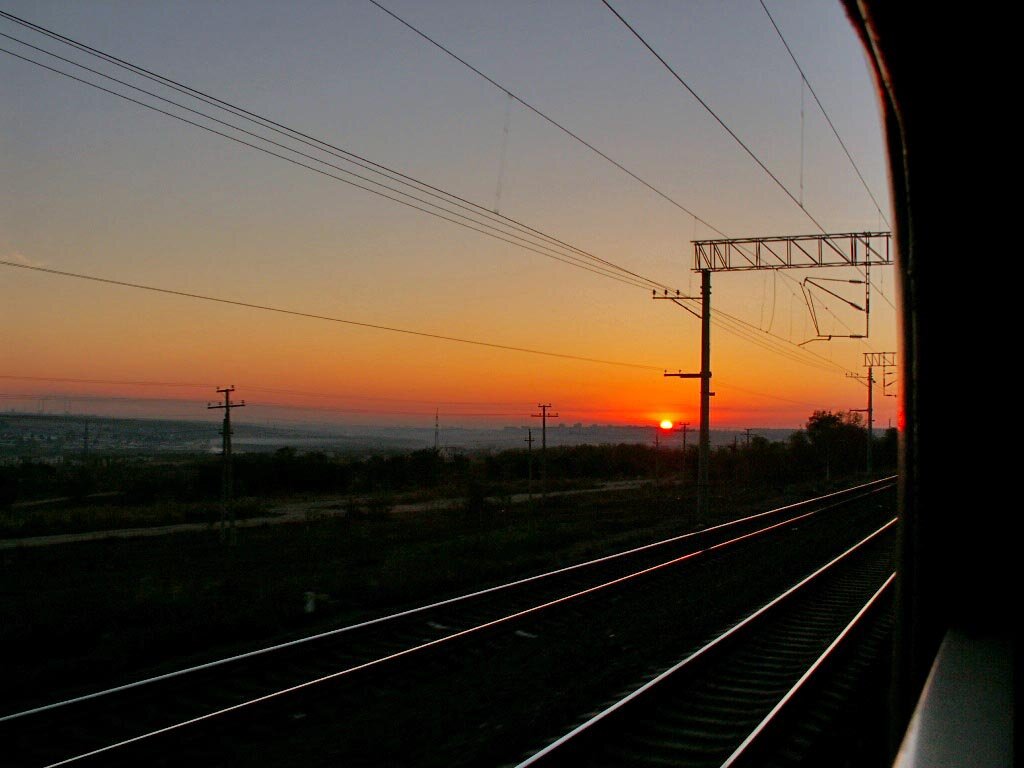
297,135
577,137
134,383
307,140
128,98
713,114
542,115
339,396
770,341
328,318
824,112
723,124
516,241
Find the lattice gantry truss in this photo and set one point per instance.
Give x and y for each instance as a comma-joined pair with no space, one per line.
850,249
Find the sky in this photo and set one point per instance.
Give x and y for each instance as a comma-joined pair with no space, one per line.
95,185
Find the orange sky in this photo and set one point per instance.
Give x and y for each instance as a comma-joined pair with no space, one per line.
98,186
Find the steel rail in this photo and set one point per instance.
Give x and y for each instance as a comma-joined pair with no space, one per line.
867,488
698,654
760,728
454,636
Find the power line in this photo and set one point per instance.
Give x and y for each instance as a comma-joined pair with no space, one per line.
517,241
232,126
78,397
725,126
266,122
378,412
546,118
590,146
269,124
317,170
292,134
825,113
719,384
69,380
312,316
774,343
85,398
714,114
58,396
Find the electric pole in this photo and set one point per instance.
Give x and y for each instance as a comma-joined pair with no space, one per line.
544,416
437,430
529,464
684,428
657,452
883,360
226,479
704,446
746,436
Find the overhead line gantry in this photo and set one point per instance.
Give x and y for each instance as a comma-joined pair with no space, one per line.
860,250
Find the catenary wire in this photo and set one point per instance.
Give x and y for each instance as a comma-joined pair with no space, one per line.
317,170
546,118
271,124
713,114
268,123
576,137
565,258
513,235
824,112
724,125
161,78
296,135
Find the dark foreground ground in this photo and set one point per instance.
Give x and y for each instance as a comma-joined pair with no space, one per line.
93,614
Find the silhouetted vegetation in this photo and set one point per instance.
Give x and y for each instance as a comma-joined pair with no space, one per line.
832,446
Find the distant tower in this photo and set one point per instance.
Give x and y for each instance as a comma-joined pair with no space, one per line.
437,431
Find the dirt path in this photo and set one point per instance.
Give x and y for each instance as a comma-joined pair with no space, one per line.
283,513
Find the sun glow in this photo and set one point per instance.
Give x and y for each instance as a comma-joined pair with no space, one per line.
666,424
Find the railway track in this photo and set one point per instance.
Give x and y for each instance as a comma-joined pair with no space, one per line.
725,704
504,627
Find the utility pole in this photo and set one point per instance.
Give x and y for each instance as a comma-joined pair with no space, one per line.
226,479
704,446
529,464
437,430
684,428
704,455
869,379
544,416
883,360
871,413
657,453
746,436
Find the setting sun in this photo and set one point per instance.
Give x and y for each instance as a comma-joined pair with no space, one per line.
666,424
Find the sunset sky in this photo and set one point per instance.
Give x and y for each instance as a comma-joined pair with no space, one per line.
95,185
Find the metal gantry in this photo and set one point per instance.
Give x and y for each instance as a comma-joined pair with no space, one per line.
738,254
860,250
